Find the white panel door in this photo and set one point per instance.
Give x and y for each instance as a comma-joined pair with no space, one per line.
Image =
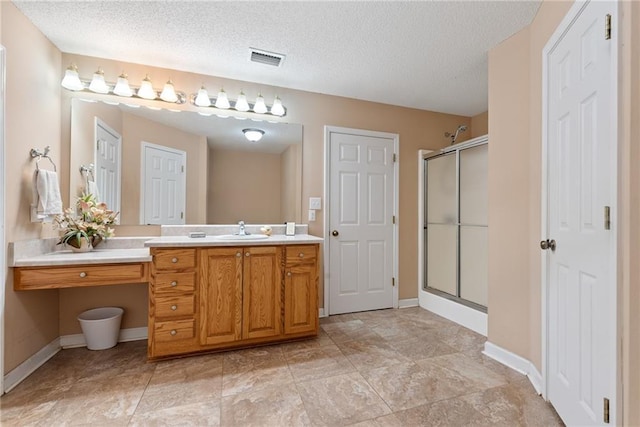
361,222
163,184
108,165
580,278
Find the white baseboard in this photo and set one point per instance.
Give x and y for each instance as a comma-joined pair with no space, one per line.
461,314
26,368
130,334
515,362
408,302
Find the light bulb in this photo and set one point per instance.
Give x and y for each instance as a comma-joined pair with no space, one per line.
98,84
260,106
222,101
169,93
71,79
252,134
202,99
277,109
146,89
122,86
241,103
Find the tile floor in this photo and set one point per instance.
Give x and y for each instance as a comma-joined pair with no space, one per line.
404,367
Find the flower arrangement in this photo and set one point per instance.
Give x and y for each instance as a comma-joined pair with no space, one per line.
90,226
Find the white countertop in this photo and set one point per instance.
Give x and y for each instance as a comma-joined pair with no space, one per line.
185,241
96,256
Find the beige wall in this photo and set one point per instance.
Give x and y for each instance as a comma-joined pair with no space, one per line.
33,73
235,195
136,130
629,215
480,124
508,180
515,125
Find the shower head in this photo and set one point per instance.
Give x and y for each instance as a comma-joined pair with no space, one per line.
454,136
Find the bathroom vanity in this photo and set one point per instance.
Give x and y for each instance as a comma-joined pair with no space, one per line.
205,294
208,294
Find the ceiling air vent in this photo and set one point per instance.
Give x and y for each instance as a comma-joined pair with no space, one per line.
267,58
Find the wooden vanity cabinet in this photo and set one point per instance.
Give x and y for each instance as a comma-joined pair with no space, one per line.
241,296
173,299
301,289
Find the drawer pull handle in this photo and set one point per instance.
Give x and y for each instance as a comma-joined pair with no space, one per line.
83,274
301,255
173,332
174,307
238,254
174,284
247,254
174,260
289,273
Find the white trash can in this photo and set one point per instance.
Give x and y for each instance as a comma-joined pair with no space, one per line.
101,327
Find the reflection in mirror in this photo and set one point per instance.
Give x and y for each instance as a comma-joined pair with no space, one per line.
226,177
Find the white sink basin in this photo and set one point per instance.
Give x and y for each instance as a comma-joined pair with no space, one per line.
243,237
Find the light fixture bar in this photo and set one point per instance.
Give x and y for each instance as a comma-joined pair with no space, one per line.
203,100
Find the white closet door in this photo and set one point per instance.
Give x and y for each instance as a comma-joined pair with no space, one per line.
442,229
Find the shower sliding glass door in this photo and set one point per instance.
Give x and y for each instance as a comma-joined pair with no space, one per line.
456,224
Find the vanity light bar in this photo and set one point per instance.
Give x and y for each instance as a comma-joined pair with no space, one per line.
168,94
221,103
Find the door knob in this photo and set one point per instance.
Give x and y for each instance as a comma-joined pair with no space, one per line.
335,233
548,244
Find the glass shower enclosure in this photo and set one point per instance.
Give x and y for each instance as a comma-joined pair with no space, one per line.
456,223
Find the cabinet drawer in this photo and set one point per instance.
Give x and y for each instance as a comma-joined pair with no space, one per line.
174,283
183,305
174,259
301,253
174,330
78,276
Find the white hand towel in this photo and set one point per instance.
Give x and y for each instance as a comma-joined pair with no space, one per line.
47,200
92,188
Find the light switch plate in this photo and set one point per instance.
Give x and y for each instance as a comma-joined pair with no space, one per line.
315,203
312,215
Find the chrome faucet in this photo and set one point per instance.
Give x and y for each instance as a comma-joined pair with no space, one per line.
241,231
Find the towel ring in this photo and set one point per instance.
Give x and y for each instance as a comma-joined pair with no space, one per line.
39,154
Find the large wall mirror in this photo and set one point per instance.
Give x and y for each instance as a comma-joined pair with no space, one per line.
165,167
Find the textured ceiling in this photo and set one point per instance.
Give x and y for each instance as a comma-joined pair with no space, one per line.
429,55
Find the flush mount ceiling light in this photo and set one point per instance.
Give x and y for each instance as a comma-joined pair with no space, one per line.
252,134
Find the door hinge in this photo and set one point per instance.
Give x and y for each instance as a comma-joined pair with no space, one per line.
607,218
181,215
395,158
606,411
393,282
393,219
98,145
182,168
607,27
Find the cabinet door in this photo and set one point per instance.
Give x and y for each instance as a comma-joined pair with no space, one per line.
262,293
300,299
220,295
